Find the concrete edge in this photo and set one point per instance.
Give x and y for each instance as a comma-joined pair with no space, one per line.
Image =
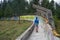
55,32
25,35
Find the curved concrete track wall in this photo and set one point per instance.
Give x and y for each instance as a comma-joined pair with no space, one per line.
44,33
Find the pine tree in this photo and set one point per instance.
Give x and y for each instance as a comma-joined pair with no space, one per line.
36,2
19,7
57,12
4,6
45,3
51,6
8,11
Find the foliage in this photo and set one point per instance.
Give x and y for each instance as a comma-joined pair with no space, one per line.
36,2
8,11
15,8
57,12
45,3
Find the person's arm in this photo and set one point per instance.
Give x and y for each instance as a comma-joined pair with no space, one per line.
38,21
34,22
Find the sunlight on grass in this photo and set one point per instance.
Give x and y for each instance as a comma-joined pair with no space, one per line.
27,17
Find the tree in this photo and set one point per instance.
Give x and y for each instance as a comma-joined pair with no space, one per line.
36,2
1,14
4,6
45,3
8,11
18,7
51,6
30,9
57,12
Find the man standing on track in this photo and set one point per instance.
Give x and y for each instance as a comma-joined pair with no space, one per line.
36,22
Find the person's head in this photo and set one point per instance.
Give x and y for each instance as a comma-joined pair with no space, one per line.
36,17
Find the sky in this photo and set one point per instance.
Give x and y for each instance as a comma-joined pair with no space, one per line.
58,1
28,1
0,0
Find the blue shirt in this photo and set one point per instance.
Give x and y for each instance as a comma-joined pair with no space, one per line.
36,21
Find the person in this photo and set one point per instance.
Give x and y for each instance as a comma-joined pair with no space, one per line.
36,22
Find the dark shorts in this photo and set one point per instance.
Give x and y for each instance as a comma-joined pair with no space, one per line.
36,25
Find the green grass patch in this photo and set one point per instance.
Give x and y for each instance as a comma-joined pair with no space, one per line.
57,24
27,17
10,30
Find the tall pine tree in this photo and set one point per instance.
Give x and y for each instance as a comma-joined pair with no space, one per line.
52,6
45,3
36,2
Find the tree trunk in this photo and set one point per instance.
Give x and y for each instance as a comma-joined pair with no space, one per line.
19,19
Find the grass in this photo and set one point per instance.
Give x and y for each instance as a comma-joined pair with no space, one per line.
57,24
27,17
10,30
